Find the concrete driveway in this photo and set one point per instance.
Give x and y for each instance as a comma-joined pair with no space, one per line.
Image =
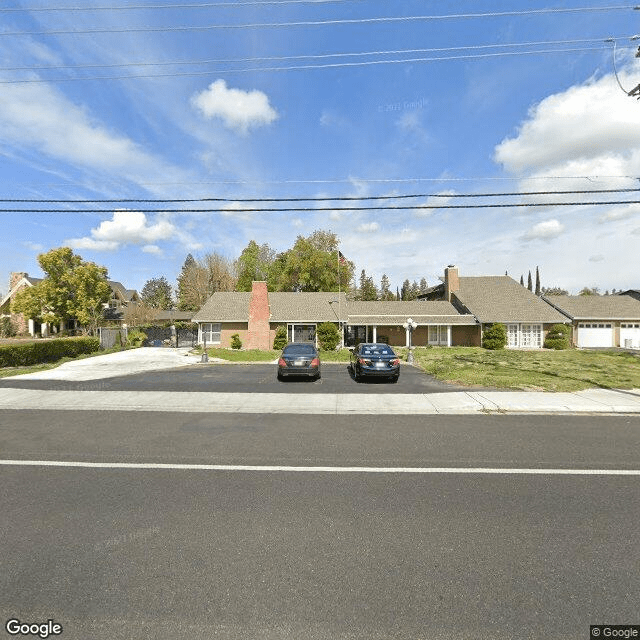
121,363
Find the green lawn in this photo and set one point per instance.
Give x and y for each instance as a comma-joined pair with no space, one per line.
570,370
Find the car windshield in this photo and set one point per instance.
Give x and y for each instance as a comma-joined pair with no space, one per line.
299,350
376,350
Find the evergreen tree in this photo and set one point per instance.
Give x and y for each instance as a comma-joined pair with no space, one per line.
530,283
522,281
385,288
537,281
404,292
423,285
156,293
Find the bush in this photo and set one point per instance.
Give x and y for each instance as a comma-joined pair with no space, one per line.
7,328
558,337
280,341
495,336
136,338
328,336
22,355
236,343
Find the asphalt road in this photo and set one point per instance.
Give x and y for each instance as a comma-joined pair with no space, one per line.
243,378
194,553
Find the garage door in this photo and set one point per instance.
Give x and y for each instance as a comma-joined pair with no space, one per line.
594,334
630,335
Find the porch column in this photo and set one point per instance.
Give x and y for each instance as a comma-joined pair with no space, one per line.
407,338
375,333
32,327
448,335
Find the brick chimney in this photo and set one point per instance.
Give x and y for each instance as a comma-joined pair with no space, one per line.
451,281
258,329
15,277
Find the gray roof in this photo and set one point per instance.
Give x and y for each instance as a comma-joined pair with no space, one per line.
502,299
307,307
396,313
597,307
225,306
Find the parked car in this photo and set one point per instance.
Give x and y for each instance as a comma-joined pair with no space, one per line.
375,359
299,359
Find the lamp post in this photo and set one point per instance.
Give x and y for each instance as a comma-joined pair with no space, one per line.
410,325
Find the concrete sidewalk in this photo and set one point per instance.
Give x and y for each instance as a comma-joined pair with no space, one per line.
590,401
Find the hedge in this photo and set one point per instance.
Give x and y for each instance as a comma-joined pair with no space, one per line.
21,355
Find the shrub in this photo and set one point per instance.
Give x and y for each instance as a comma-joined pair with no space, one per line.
280,341
136,338
495,336
558,337
21,355
7,328
328,336
236,343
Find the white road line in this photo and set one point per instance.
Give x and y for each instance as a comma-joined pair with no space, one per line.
312,469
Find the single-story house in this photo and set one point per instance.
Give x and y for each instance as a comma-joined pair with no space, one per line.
492,299
601,321
256,315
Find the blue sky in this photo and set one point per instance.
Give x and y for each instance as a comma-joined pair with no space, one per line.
526,101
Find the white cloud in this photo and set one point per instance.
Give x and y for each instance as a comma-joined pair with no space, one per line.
128,227
621,213
592,121
239,110
152,249
598,258
547,230
39,116
368,227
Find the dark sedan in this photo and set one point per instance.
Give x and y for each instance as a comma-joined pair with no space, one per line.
375,359
299,359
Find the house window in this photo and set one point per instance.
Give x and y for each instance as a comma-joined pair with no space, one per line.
301,333
438,334
211,332
512,335
531,336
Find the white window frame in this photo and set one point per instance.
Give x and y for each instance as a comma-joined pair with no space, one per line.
531,336
513,336
291,330
438,334
212,331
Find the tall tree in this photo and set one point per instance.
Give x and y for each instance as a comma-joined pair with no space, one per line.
423,285
157,293
530,283
537,281
414,290
385,288
404,292
368,289
314,263
254,264
522,280
71,289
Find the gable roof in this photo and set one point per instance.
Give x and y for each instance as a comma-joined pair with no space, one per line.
225,306
307,307
597,307
394,312
502,299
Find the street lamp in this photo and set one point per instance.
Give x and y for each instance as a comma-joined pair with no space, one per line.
410,325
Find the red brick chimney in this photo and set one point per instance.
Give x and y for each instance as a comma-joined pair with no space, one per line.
15,277
451,281
258,329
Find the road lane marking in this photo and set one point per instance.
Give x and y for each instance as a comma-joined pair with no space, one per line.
319,469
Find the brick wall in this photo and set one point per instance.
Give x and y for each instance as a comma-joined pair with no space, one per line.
258,333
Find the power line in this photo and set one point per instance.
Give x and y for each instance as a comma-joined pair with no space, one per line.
318,209
322,198
316,23
346,54
306,67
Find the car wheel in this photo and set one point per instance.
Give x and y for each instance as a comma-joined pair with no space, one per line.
318,376
280,377
394,379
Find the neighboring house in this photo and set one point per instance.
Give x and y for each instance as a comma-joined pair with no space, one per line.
601,321
120,299
19,280
256,316
492,299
